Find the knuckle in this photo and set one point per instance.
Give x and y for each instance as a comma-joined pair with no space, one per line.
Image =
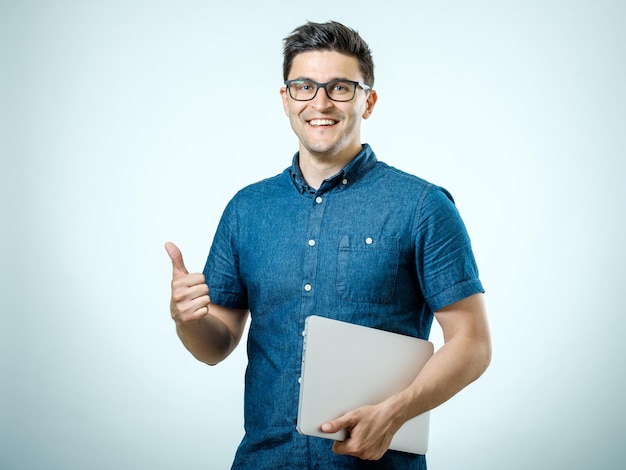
178,296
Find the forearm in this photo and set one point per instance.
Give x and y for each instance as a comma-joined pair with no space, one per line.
455,365
208,339
461,360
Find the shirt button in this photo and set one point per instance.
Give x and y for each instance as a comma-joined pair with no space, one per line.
344,181
318,199
307,287
311,242
369,240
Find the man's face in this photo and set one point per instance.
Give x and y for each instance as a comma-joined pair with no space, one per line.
328,129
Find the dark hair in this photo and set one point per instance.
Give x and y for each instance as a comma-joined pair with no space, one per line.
330,36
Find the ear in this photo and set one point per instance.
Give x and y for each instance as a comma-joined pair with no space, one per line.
285,98
370,103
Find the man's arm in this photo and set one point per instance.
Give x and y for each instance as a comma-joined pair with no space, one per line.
461,360
210,332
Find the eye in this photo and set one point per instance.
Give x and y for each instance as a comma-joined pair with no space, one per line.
341,87
303,86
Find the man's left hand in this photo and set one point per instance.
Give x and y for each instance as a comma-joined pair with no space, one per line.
370,430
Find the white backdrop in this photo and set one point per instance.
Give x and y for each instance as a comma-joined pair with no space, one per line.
125,124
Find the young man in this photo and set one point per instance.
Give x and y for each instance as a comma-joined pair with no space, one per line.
338,234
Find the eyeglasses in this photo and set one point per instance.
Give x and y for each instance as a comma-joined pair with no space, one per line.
336,90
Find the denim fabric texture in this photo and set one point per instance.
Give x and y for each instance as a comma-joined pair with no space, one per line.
373,246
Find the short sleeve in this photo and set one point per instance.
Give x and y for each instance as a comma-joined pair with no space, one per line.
445,263
222,273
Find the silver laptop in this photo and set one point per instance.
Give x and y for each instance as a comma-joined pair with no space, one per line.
345,366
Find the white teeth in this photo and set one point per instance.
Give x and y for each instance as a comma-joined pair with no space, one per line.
322,122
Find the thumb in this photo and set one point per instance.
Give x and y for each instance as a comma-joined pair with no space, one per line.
336,425
178,266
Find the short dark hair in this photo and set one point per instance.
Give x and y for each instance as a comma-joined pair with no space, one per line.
330,36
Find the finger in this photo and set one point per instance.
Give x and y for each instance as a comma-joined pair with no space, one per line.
336,425
189,288
340,447
178,266
345,446
181,285
328,428
196,309
190,304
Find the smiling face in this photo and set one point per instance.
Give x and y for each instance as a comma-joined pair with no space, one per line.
328,130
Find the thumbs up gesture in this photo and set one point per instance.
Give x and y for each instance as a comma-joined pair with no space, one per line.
190,294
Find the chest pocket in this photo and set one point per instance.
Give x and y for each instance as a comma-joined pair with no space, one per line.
367,268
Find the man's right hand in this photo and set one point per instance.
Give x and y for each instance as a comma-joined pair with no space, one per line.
190,295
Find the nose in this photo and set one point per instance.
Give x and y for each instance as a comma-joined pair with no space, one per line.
321,99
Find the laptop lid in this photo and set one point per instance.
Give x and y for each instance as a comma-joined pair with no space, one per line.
345,366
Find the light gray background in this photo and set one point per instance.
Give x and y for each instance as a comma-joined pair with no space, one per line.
125,124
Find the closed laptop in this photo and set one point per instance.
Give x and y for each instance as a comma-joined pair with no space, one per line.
346,366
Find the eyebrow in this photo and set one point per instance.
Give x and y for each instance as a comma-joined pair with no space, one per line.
336,79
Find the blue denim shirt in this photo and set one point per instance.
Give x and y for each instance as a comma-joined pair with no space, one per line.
373,245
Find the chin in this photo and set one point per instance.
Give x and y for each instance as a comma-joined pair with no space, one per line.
323,148
323,152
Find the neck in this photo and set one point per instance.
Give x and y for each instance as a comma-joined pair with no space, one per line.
316,168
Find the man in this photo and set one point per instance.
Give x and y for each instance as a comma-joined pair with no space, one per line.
337,234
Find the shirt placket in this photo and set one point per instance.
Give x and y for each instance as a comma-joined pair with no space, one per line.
310,259
310,264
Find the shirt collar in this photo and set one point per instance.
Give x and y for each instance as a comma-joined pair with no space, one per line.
352,172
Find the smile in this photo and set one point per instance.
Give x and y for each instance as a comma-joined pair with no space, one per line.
322,122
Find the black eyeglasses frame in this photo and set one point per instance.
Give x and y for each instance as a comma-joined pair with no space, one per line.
324,85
